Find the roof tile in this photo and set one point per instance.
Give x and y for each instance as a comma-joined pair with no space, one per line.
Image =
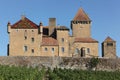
81,16
109,39
24,24
85,40
49,41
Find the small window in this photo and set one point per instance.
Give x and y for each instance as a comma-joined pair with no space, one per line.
32,39
46,49
76,50
62,40
32,50
88,50
109,44
32,30
62,49
25,37
25,33
52,50
25,48
17,30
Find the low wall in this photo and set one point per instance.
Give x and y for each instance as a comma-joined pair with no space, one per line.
61,62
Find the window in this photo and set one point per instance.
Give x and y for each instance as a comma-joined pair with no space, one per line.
62,40
25,30
32,39
25,48
62,49
52,50
46,49
32,30
88,50
76,50
17,30
25,37
32,50
109,44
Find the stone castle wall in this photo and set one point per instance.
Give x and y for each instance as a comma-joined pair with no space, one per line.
60,62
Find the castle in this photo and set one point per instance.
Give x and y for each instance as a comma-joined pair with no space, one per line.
30,39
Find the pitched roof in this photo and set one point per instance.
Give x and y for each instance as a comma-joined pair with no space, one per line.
109,39
81,16
49,41
85,40
24,23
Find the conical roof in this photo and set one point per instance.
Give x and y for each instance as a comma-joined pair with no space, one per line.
109,39
81,16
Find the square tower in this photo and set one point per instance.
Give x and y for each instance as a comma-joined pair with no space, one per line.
80,25
109,48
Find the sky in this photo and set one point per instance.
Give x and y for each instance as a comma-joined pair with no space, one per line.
105,16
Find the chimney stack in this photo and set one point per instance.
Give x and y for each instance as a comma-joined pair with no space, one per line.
52,21
40,29
8,27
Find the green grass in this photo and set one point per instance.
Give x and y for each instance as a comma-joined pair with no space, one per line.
24,73
20,73
68,74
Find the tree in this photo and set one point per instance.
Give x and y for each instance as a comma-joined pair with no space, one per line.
93,63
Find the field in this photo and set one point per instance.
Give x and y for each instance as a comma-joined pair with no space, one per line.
24,73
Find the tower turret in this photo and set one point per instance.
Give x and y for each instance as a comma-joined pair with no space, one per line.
80,25
109,48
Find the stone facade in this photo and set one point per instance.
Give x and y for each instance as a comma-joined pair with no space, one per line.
109,48
30,39
60,62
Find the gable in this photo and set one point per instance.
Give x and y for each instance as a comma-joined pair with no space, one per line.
24,24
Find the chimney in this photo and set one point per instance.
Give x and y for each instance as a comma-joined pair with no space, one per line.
40,29
8,27
52,21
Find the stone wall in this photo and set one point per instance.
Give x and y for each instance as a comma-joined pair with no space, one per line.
60,62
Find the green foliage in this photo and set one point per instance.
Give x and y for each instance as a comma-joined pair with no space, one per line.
20,73
24,73
69,74
93,62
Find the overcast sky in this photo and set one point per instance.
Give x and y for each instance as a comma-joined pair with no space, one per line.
105,16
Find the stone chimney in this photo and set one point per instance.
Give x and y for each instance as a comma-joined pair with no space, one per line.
40,29
8,27
52,25
52,21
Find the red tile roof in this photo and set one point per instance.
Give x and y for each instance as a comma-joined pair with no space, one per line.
81,16
85,40
24,24
49,41
109,39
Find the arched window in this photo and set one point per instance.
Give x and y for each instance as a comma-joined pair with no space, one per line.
62,39
62,49
46,49
76,50
32,39
25,48
88,50
32,50
25,37
52,50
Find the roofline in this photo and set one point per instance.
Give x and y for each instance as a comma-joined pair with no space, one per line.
86,42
